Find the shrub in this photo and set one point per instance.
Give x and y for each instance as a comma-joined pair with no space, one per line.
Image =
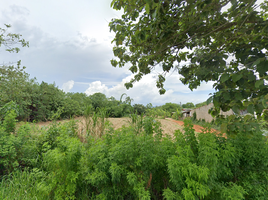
8,153
9,122
135,162
127,165
62,164
7,108
177,115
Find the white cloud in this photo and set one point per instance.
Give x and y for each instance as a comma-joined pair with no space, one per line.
95,87
79,51
66,87
146,92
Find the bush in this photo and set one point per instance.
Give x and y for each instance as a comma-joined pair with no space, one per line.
8,153
17,151
9,122
62,164
7,108
135,162
177,115
127,165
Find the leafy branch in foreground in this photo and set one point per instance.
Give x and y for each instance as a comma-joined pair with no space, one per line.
8,40
203,41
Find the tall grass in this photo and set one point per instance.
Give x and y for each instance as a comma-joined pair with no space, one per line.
136,122
24,185
95,123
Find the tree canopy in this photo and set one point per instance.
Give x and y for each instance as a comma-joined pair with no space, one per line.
213,40
188,105
171,107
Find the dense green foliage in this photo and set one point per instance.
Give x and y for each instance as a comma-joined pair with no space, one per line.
214,40
164,111
198,105
40,102
135,162
170,107
35,101
188,105
62,161
43,102
139,109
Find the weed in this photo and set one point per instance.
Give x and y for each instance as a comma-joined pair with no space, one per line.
95,123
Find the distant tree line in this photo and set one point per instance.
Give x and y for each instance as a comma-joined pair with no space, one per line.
43,101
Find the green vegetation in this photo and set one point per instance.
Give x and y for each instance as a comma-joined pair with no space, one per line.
188,105
198,105
8,40
167,110
220,41
135,162
139,162
203,42
45,102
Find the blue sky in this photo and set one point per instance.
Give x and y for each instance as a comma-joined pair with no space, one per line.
70,44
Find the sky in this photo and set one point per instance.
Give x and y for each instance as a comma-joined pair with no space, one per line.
70,45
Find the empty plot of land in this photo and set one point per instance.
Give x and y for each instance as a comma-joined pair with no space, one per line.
167,125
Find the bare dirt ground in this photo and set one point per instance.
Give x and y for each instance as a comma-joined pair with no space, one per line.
200,129
197,128
167,125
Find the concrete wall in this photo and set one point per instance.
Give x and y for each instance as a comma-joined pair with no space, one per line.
202,113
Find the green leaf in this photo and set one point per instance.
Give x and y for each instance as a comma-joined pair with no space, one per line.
259,83
209,100
262,67
147,8
224,77
250,108
227,96
251,77
236,109
162,91
259,108
238,96
154,14
236,77
257,61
